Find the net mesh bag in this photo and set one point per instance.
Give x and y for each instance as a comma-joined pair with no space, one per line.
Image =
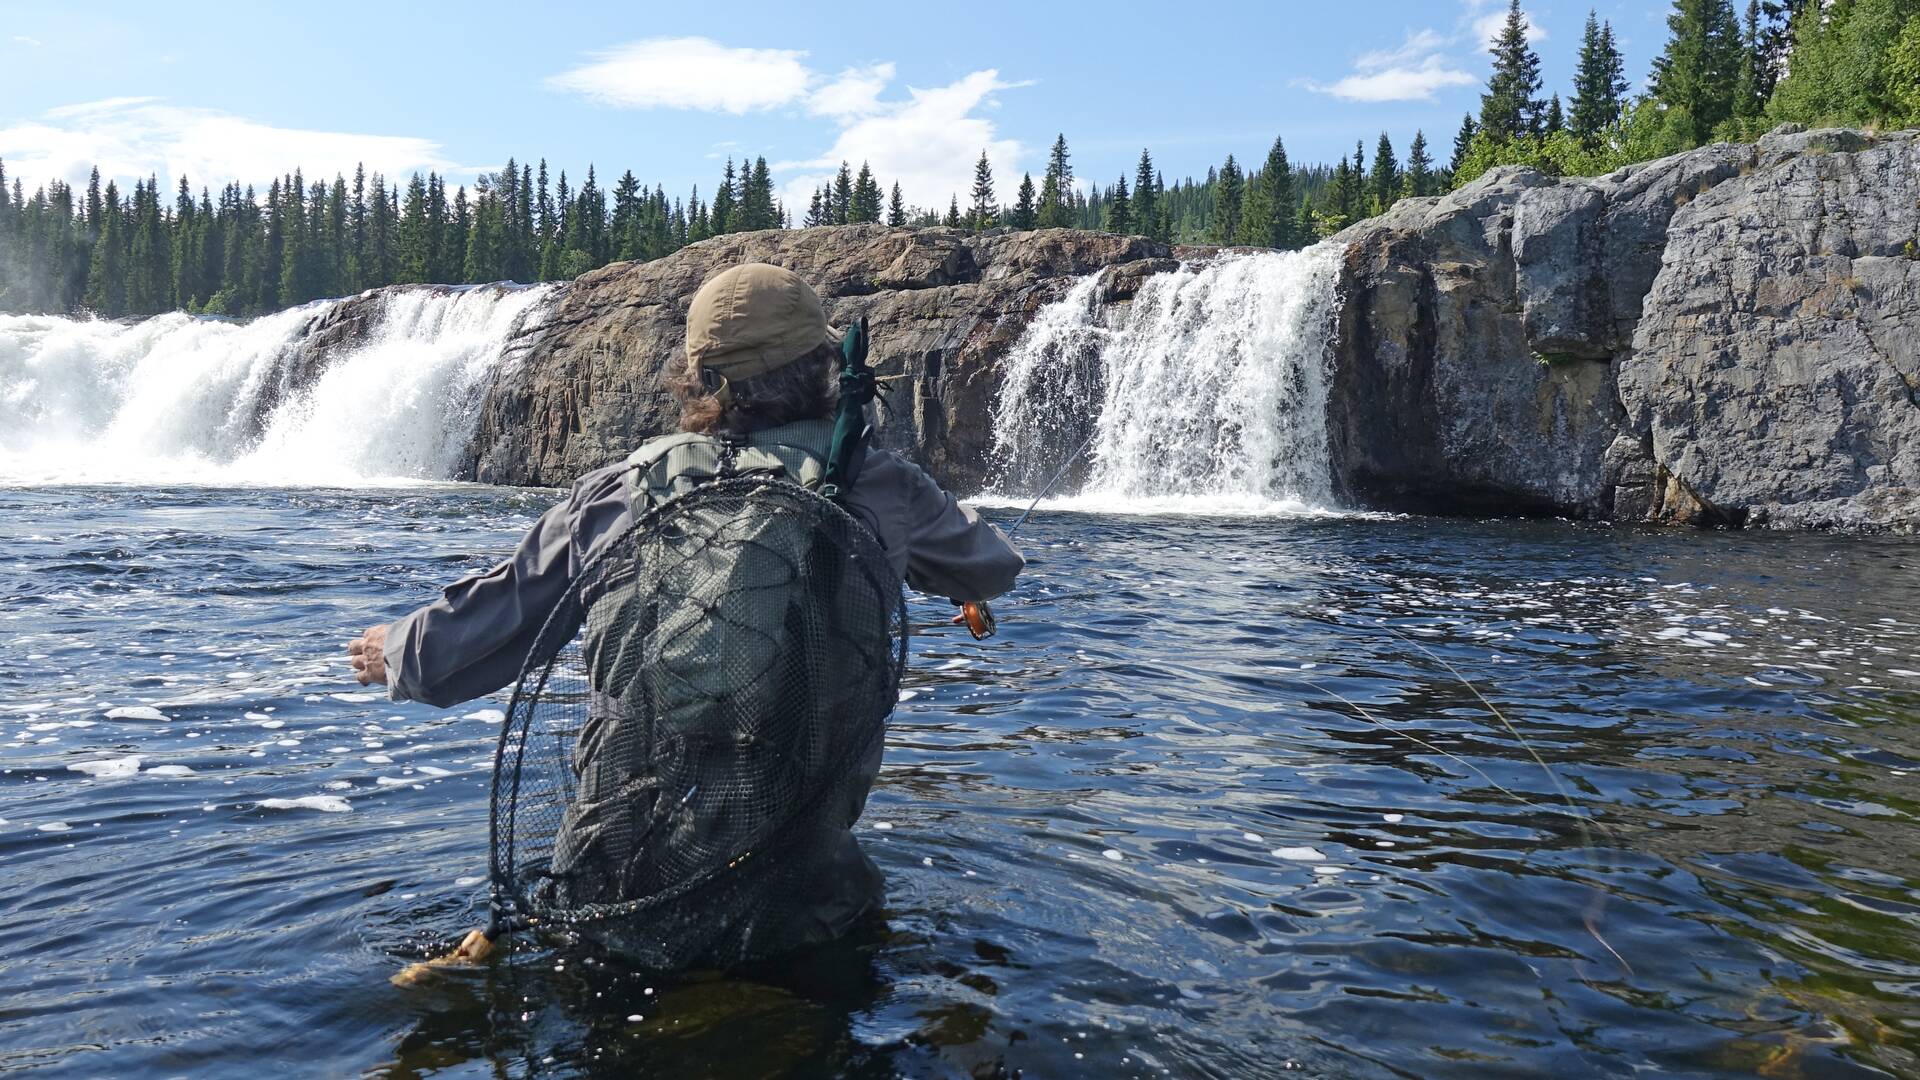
697,727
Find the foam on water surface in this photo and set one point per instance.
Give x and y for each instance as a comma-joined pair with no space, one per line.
108,768
328,804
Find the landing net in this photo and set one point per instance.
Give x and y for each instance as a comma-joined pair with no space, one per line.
697,727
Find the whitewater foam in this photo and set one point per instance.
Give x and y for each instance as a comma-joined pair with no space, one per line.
184,400
1211,392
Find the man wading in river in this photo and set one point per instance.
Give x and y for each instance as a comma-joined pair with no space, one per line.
756,397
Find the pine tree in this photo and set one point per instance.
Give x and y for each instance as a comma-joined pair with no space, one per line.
1510,107
896,209
1342,193
1597,83
1228,191
625,231
106,276
1555,119
382,262
1418,181
1462,143
1306,229
1146,206
459,226
591,237
357,253
1355,207
94,220
984,210
843,195
187,233
1696,76
1277,177
1024,213
1119,209
757,206
720,216
866,196
438,263
953,214
1383,184
415,262
1056,208
1752,86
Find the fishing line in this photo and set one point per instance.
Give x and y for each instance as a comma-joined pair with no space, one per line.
1061,472
1581,820
977,616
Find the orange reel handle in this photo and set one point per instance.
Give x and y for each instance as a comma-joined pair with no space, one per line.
979,619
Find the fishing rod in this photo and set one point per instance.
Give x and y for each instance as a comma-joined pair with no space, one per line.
975,613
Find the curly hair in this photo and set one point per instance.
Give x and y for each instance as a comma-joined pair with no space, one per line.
801,390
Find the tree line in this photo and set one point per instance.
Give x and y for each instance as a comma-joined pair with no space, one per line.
1718,77
240,254
1722,76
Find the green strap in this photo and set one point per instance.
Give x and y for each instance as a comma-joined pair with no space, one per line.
850,427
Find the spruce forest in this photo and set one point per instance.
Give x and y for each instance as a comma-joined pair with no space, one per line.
1723,75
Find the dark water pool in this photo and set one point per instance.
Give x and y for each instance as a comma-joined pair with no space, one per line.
1213,804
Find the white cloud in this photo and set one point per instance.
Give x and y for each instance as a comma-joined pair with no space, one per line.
1406,83
1426,62
133,138
1413,71
928,143
689,73
22,39
855,93
1419,45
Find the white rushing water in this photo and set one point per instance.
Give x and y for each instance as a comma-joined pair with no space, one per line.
1211,391
178,399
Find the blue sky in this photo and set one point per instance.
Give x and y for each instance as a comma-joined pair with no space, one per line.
670,90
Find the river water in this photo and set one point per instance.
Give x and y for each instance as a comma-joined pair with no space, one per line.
1248,784
1211,804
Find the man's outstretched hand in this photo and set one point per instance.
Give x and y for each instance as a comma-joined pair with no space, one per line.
369,655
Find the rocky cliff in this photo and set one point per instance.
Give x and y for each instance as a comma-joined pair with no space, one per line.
1729,336
947,304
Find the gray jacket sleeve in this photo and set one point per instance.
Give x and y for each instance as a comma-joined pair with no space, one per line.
476,637
939,546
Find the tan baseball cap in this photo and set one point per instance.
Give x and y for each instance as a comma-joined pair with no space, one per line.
752,319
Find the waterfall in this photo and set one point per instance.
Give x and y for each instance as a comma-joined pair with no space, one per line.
180,399
1211,390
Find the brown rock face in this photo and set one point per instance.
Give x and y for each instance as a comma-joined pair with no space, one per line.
944,305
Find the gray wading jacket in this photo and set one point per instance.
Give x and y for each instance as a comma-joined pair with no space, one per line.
476,637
